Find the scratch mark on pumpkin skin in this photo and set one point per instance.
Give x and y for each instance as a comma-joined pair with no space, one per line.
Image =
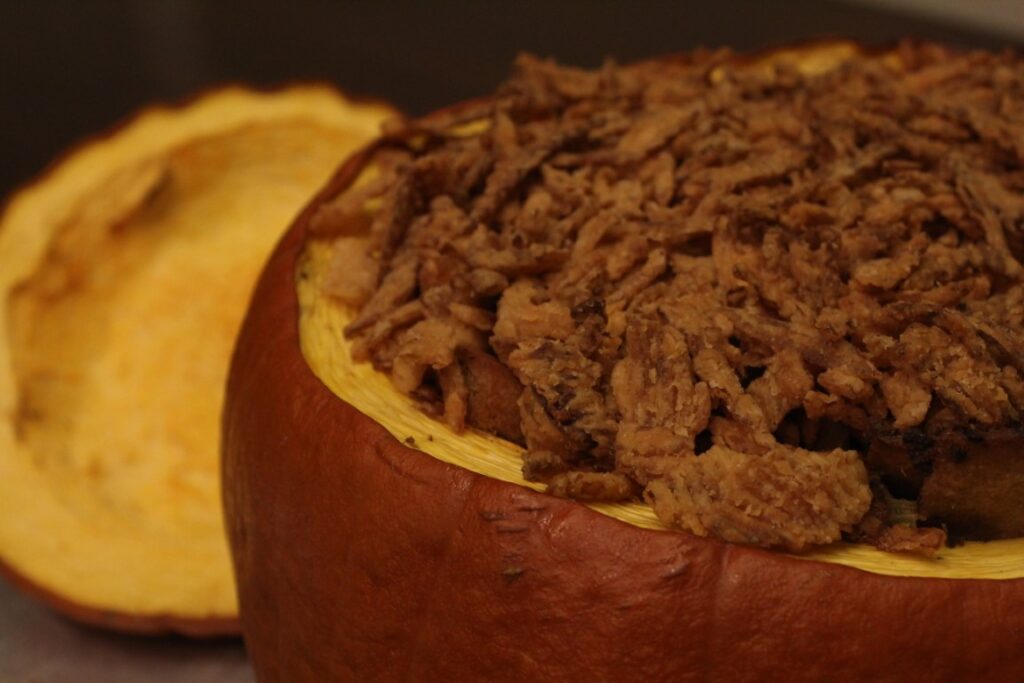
513,573
677,570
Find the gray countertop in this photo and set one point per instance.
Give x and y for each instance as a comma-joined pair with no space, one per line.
38,646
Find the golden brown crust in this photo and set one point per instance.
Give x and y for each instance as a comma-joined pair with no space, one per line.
388,564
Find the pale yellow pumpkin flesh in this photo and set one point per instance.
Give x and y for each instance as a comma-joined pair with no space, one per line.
124,274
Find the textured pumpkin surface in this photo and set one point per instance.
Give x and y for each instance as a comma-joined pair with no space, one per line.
125,273
388,548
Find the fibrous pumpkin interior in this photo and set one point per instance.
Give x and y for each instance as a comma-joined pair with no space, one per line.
323,321
125,274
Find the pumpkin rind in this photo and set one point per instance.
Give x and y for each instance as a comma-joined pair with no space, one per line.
359,558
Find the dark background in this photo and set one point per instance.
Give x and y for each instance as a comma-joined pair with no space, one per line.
71,68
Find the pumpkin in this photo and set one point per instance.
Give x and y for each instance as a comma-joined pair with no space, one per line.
124,274
371,543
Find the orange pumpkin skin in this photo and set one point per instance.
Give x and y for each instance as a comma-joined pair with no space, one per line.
361,559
